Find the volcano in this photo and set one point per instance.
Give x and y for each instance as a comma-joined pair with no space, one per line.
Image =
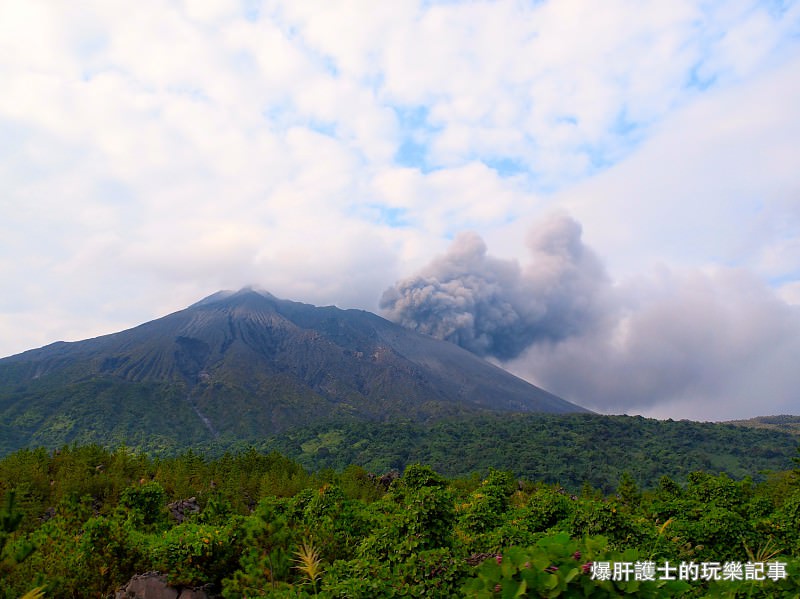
243,365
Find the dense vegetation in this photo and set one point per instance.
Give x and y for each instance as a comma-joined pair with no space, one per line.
783,422
79,522
566,449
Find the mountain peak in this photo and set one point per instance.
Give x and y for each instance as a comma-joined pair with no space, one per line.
227,294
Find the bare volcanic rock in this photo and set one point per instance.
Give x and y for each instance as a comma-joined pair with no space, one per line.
153,585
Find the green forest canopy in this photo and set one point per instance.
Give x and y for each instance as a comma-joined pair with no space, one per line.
80,521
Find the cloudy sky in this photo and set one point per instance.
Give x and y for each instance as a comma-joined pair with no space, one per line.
602,197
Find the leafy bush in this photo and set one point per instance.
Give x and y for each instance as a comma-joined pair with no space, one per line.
110,553
145,504
434,573
194,554
546,508
560,566
11,553
488,503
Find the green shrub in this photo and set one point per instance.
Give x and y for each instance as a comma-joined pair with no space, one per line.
546,508
194,554
267,544
487,504
145,504
558,566
110,553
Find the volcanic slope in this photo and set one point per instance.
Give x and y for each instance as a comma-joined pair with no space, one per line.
241,365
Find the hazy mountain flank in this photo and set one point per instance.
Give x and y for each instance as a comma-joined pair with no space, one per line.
243,365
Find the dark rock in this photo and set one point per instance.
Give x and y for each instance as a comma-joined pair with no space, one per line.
181,510
153,585
194,594
478,558
387,479
48,513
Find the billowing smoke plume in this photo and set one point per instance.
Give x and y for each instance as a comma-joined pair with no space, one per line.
713,344
496,308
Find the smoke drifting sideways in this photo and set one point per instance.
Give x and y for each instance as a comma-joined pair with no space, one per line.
710,344
494,307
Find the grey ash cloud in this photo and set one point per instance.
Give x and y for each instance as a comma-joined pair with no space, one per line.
498,308
709,344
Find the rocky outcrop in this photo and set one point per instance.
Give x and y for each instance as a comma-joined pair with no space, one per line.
153,585
183,508
387,479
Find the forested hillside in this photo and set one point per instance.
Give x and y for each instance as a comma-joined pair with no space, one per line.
784,422
80,522
568,449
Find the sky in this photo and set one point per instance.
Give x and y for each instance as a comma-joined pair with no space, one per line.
602,198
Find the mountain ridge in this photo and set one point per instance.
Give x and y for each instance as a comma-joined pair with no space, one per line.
245,364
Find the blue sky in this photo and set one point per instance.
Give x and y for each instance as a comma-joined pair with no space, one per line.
326,151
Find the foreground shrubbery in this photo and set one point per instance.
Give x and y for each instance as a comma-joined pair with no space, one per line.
81,522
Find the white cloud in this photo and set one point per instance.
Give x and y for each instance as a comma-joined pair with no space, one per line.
716,183
790,293
322,150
